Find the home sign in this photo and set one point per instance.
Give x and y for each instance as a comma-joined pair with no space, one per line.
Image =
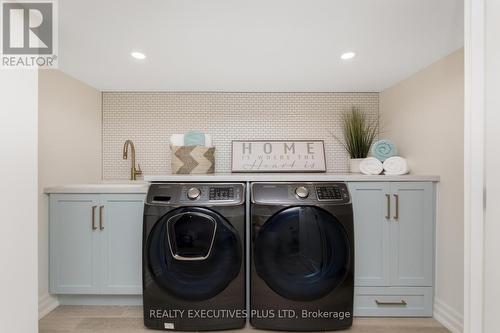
278,156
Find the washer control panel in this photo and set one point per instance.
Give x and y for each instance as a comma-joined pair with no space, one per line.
221,193
196,193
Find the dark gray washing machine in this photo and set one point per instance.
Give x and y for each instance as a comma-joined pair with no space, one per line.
302,256
193,256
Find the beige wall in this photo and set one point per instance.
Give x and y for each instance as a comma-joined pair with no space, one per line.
69,125
424,116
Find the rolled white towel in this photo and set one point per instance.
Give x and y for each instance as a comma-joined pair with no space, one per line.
371,166
396,166
177,139
208,140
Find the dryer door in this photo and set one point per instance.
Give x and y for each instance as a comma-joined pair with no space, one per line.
302,253
193,253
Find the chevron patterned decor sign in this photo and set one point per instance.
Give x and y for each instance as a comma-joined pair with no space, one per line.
193,159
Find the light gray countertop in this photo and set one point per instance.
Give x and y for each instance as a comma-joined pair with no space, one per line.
284,177
141,186
103,187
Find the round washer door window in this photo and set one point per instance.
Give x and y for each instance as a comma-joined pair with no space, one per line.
194,253
302,253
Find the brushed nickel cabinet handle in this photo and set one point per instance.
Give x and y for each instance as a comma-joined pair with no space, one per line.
388,215
101,222
402,302
396,215
93,218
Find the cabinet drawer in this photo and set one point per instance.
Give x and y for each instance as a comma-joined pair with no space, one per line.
393,301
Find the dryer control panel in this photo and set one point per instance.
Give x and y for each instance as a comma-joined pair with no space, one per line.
300,193
332,192
187,194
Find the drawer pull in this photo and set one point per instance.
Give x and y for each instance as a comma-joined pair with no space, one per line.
402,302
93,218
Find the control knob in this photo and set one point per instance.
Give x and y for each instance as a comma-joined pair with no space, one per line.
193,193
302,192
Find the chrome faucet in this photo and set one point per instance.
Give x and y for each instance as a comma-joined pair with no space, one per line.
133,171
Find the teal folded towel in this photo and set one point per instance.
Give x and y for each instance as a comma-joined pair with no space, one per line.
383,149
194,138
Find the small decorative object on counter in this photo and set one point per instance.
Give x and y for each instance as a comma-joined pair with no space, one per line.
396,165
383,149
192,153
371,166
177,140
354,165
358,135
194,138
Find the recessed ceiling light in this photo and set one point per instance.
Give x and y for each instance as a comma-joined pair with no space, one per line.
347,55
138,55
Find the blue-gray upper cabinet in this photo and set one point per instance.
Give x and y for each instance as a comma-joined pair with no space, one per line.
95,243
394,233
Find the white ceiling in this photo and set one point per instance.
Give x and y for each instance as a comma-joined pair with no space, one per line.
254,45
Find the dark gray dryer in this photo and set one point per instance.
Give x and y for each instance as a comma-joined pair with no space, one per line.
193,256
302,264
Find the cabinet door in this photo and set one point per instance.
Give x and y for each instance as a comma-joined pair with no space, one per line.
121,243
74,247
412,240
371,233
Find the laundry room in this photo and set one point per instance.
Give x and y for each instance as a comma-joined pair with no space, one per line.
250,165
180,163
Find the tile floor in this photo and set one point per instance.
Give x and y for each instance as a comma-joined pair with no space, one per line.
128,319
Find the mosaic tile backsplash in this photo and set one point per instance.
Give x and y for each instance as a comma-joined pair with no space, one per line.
149,119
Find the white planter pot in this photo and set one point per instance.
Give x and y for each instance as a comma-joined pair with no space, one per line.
354,165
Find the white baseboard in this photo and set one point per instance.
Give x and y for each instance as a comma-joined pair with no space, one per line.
46,304
448,317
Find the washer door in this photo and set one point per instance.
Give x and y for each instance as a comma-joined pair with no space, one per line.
302,253
193,253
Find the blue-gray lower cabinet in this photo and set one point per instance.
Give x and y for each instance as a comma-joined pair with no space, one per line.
372,233
95,243
393,301
74,245
412,234
394,248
